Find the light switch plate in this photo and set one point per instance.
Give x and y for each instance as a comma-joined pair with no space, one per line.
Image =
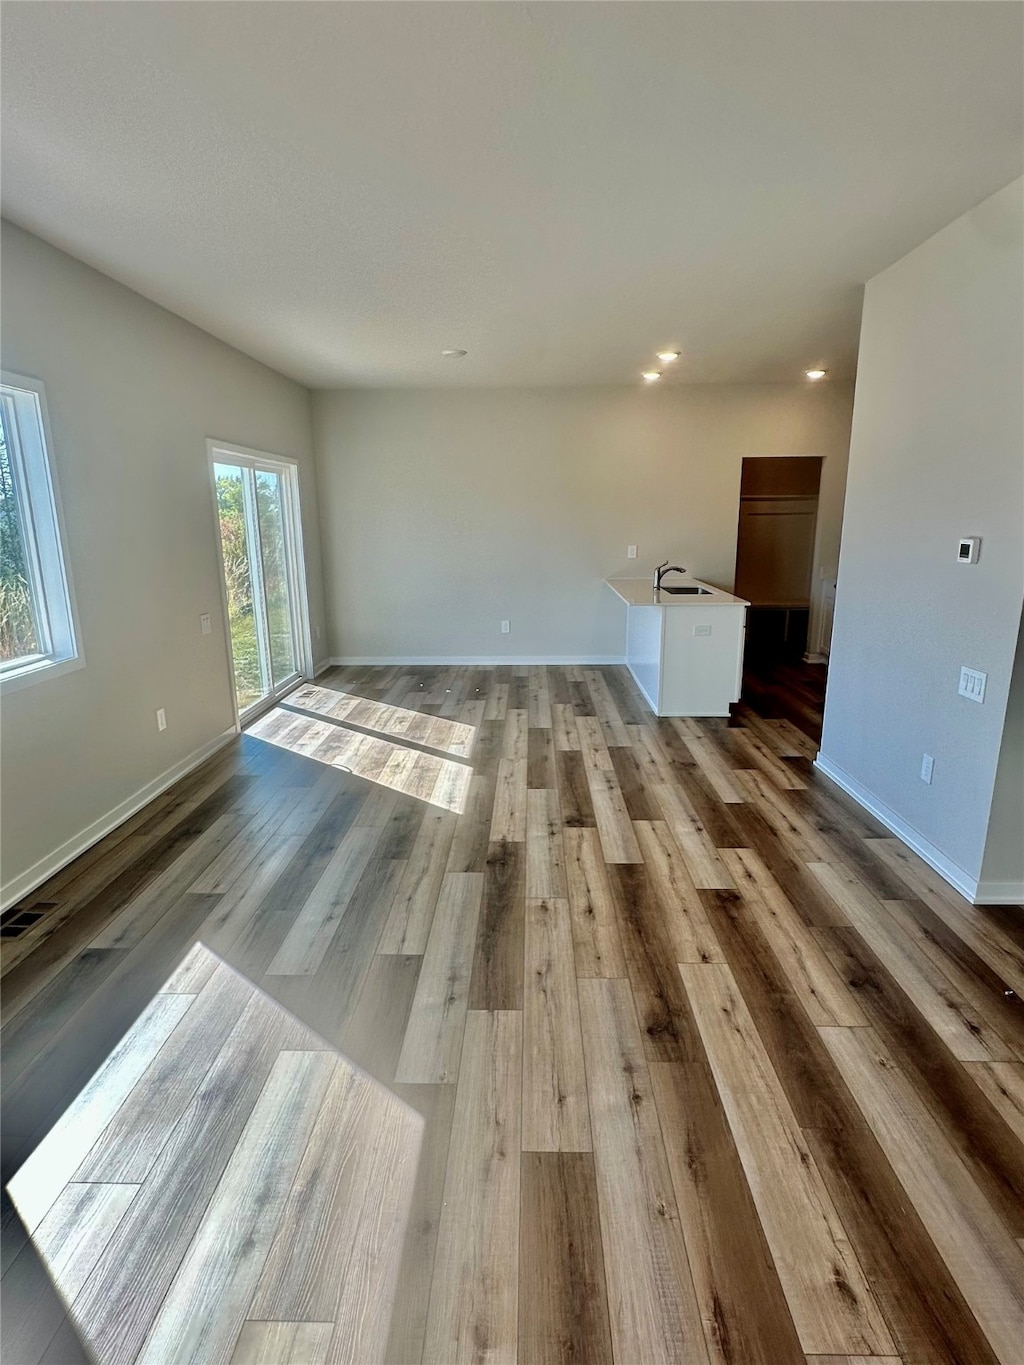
972,684
631,552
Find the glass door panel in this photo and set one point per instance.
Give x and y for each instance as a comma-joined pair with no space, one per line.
256,512
274,563
251,679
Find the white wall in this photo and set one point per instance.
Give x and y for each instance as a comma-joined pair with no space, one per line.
443,512
937,452
133,392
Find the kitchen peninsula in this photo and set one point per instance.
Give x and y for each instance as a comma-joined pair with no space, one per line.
684,644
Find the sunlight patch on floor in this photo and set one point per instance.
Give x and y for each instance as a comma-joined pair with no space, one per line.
176,1119
390,760
394,722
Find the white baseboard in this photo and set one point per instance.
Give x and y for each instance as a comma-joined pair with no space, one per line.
41,871
1000,893
815,658
477,661
322,667
643,690
956,876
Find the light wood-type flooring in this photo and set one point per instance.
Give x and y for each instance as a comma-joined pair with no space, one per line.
711,1068
238,1173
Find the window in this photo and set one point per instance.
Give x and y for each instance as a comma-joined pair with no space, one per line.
37,628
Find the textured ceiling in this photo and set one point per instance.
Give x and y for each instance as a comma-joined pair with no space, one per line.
342,190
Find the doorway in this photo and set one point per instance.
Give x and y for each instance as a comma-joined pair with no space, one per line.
257,499
778,521
775,549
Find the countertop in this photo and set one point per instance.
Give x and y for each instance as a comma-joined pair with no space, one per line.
639,592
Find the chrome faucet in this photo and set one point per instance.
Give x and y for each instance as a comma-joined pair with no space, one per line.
662,570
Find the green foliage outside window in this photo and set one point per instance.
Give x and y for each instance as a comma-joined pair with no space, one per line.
17,623
249,683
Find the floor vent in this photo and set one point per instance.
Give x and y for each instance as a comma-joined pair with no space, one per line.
14,921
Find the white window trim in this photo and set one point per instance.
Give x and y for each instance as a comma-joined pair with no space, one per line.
49,542
225,453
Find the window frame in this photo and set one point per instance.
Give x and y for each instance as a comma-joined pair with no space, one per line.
44,537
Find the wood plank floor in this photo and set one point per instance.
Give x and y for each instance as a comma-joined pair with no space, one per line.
711,1068
224,1168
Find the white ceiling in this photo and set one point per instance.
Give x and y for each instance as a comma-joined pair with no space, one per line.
342,190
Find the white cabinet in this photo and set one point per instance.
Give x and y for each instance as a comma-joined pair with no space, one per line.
686,654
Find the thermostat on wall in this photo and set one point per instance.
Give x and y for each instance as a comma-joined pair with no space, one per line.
967,550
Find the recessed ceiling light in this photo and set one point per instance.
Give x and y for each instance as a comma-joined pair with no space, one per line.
667,357
453,354
815,374
649,376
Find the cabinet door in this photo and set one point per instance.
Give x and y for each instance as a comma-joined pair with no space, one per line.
775,551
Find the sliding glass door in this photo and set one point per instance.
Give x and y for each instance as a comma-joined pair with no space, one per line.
261,554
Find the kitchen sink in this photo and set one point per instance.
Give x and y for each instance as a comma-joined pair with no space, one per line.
686,590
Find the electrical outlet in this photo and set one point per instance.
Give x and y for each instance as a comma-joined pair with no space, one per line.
927,764
972,684
631,552
702,630
316,632
205,624
161,719
505,627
